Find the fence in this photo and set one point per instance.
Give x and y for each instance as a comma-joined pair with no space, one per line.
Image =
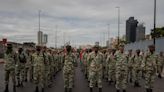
143,45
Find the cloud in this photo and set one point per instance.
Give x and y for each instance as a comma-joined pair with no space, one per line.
82,21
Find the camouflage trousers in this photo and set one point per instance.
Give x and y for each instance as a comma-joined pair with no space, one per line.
8,74
106,70
149,79
68,78
160,69
20,72
111,74
136,75
95,77
121,79
29,73
39,76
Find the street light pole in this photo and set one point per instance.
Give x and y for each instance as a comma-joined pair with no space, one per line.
154,22
108,34
118,25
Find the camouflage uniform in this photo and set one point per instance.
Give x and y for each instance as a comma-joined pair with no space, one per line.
9,67
68,70
111,67
39,70
130,67
121,71
85,64
47,67
27,67
20,69
50,71
55,60
136,72
149,65
160,65
95,69
105,65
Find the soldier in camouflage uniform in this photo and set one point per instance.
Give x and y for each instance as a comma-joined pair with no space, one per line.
121,69
130,65
54,63
28,65
111,59
149,65
95,69
85,55
47,66
20,67
39,69
9,67
68,69
50,71
160,64
105,65
136,72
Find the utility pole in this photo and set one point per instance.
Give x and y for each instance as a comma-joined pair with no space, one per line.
64,38
118,25
108,34
155,5
56,38
39,19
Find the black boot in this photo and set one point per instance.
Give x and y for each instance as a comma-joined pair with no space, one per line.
91,89
18,85
147,90
42,89
14,88
117,90
159,76
70,90
124,90
136,84
6,88
36,89
100,89
25,80
65,89
21,84
110,82
151,90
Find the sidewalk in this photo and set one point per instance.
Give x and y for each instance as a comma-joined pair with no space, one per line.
1,61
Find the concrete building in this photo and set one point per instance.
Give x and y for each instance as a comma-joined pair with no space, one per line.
45,39
40,38
140,32
131,25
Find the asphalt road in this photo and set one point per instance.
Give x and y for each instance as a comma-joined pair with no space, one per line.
81,84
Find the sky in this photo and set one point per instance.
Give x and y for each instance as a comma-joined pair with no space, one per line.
78,21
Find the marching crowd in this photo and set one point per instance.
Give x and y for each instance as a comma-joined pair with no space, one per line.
121,69
40,65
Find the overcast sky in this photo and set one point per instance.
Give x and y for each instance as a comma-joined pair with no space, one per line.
82,21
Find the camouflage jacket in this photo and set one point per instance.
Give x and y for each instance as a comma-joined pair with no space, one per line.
96,61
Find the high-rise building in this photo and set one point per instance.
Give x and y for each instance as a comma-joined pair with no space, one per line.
45,38
131,25
40,37
140,32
